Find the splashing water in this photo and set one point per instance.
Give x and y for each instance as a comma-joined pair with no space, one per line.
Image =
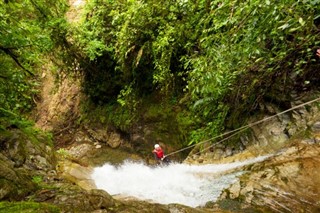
191,185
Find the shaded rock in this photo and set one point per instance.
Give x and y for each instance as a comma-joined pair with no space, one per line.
74,199
21,158
100,135
15,184
114,140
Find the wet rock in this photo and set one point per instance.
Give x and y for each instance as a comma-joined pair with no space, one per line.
77,174
101,199
234,190
285,183
74,199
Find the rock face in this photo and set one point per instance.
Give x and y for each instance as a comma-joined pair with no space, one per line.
74,199
266,137
111,138
288,182
28,168
22,158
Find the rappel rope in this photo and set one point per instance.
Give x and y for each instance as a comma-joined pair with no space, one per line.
238,130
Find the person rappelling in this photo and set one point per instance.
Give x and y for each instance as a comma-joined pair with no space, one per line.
159,155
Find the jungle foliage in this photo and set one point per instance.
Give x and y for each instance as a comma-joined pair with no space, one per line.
221,59
216,61
28,32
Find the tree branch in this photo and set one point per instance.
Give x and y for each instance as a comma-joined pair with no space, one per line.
3,77
9,52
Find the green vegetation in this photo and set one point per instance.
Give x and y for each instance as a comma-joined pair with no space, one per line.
108,114
212,63
220,59
63,153
190,69
27,207
29,32
10,120
37,179
27,37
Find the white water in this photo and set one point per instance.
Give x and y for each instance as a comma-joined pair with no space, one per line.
191,185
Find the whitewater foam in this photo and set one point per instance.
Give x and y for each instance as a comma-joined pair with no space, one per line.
191,185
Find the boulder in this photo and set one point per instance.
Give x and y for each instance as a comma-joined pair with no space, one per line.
114,140
22,158
77,174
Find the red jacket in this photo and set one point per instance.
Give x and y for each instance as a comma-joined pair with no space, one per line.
159,153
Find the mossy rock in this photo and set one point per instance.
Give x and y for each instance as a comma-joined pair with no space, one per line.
22,156
27,207
14,182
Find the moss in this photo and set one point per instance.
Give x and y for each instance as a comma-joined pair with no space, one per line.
228,204
27,207
33,134
236,206
110,114
7,189
19,145
37,136
156,112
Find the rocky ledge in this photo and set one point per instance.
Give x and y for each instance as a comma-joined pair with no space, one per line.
287,182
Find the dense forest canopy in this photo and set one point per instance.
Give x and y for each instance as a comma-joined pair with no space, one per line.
27,34
217,60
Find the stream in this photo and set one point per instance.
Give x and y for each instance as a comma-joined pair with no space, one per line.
191,185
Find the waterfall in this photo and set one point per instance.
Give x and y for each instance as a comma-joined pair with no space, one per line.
191,185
